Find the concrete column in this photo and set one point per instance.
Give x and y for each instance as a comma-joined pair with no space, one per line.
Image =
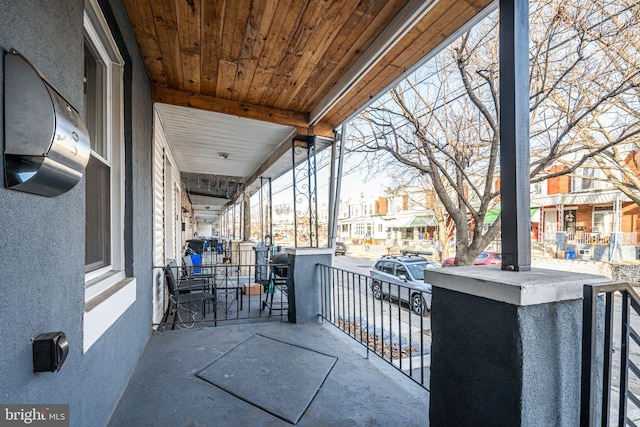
303,283
506,346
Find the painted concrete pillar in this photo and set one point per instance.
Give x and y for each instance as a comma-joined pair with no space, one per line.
506,346
303,283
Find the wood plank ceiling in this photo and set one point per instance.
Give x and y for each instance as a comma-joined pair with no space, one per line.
277,60
303,66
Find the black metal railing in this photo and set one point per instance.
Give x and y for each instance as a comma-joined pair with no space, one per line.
386,326
610,344
214,291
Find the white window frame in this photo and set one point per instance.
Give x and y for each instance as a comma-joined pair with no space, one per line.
108,293
97,32
608,223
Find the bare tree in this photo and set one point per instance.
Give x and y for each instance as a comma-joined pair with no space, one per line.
443,121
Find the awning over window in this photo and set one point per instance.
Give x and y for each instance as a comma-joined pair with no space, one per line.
412,221
492,215
423,221
593,198
400,222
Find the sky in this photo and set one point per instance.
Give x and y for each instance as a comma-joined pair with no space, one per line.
355,181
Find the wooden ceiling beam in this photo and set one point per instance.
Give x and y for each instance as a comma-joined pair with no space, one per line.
240,109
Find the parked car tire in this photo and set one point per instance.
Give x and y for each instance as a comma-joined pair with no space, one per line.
417,304
376,288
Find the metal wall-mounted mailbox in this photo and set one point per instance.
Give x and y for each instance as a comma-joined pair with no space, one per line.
46,143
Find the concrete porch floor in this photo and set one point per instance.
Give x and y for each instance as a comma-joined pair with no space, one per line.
166,391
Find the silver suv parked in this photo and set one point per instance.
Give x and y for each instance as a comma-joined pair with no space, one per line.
402,278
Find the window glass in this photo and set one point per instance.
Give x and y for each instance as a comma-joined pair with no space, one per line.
388,267
98,217
602,219
588,175
401,270
95,99
417,269
98,171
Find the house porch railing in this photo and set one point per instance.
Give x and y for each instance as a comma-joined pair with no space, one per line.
209,293
610,353
385,326
595,238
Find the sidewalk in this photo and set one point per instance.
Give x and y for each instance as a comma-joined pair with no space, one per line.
374,251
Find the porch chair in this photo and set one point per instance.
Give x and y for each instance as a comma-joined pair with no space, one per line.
185,291
192,271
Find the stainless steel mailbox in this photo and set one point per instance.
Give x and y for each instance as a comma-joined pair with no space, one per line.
46,143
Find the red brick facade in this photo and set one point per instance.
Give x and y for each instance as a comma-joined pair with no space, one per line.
584,217
630,217
382,206
559,184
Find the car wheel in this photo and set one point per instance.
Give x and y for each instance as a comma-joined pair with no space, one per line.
376,288
417,304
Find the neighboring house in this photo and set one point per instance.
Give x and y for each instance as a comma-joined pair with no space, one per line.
359,219
395,219
586,216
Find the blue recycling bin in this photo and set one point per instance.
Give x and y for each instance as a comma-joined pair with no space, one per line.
219,248
196,260
570,255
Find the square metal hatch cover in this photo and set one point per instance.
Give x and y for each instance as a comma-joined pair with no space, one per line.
279,378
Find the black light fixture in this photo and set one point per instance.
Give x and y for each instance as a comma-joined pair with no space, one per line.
49,351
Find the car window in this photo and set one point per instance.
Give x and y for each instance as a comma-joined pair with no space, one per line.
401,270
482,256
497,256
378,265
417,270
388,267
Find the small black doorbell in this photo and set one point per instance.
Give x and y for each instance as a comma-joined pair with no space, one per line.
49,351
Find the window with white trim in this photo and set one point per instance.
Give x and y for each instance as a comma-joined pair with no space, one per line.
103,97
108,293
602,219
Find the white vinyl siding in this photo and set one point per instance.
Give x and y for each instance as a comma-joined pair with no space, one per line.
167,198
159,258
